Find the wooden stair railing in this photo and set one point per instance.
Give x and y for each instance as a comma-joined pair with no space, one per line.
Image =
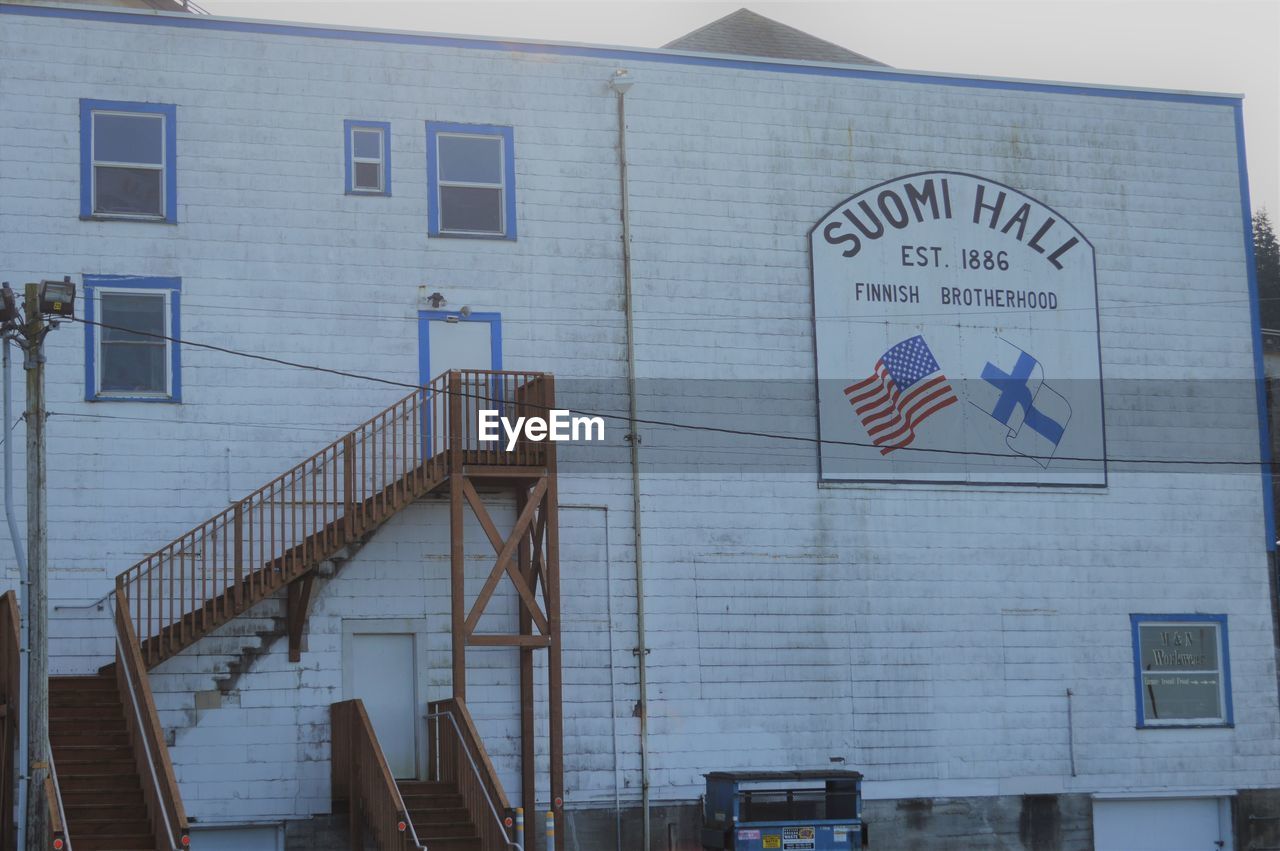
10,713
459,758
283,531
165,812
362,780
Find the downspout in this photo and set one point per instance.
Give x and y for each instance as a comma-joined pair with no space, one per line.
20,556
621,83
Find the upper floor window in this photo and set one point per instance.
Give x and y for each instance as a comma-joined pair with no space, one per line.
368,151
471,180
1183,675
127,158
129,330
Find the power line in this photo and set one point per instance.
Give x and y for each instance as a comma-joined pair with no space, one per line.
684,426
671,319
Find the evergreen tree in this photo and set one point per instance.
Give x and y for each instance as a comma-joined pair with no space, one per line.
1267,259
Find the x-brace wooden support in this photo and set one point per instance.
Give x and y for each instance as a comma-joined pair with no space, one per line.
506,549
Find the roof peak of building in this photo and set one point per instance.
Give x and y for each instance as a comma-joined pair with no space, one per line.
748,33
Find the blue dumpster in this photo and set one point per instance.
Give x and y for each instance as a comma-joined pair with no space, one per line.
784,811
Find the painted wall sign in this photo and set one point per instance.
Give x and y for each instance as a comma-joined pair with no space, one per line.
956,334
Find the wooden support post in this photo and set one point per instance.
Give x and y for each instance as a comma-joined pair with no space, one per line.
238,554
349,487
528,777
551,588
457,565
297,605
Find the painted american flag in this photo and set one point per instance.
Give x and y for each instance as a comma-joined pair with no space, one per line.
905,389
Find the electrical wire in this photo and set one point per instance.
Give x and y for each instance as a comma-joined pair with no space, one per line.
725,430
673,319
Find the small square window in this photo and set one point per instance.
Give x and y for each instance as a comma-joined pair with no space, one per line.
368,151
1183,675
471,177
127,168
128,337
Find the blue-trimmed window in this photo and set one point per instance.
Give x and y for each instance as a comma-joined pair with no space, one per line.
368,153
130,324
471,181
1182,670
128,159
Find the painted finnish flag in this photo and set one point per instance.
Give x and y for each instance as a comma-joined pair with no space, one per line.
1014,393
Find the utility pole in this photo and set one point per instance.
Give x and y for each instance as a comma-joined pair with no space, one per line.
37,613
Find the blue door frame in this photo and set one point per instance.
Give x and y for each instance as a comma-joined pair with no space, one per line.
426,317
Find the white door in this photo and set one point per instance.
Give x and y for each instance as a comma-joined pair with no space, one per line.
458,344
382,675
1162,824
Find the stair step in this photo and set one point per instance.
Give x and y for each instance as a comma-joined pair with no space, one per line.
97,799
95,811
142,842
99,783
443,815
453,843
85,682
424,787
67,754
434,798
93,768
88,715
108,826
90,691
74,733
431,833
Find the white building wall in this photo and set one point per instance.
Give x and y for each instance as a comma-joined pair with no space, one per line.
927,634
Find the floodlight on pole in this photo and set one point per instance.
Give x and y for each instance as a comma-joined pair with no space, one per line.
58,298
9,312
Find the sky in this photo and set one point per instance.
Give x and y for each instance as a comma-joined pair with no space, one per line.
1226,46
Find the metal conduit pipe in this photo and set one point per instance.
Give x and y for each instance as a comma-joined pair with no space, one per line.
621,83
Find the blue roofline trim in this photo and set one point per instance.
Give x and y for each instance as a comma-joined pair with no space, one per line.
1255,316
588,51
350,124
132,282
170,113
507,134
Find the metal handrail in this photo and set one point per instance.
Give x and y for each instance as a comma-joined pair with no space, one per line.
52,777
476,771
151,762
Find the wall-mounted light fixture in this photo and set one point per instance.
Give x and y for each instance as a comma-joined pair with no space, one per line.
621,81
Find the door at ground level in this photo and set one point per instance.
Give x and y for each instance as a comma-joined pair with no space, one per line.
382,675
1162,824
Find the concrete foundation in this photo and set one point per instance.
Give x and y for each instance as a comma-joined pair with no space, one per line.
1001,823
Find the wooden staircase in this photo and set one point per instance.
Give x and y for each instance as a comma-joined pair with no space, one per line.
101,787
323,510
334,501
439,815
